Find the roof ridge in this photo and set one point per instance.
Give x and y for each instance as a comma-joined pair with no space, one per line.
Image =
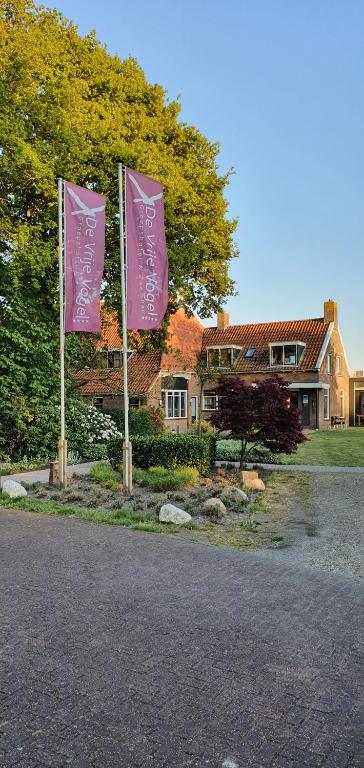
269,322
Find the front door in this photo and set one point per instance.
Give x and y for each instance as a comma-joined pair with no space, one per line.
306,401
194,409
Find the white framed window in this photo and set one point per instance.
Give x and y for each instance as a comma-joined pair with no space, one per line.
342,403
285,354
326,404
338,364
98,402
209,401
222,357
329,364
174,403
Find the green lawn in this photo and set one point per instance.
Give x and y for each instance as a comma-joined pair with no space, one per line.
337,447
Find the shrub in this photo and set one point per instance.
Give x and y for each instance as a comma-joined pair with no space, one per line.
90,426
161,479
168,451
105,476
228,450
157,418
96,452
142,421
86,427
202,427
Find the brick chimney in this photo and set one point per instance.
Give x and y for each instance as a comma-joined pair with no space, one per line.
331,312
222,320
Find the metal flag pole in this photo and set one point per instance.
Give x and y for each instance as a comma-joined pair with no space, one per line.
62,449
127,458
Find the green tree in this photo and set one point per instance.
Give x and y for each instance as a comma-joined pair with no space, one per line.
68,108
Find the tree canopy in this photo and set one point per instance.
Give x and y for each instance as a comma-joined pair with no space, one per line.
70,109
261,415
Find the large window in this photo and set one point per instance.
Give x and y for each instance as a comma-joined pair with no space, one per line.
222,357
209,401
326,404
174,403
286,354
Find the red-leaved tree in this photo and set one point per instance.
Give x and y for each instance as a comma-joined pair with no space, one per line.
261,415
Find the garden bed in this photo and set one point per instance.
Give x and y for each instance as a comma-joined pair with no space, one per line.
101,499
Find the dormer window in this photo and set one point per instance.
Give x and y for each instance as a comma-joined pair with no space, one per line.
222,357
286,354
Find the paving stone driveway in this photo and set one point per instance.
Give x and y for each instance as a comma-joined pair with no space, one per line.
133,650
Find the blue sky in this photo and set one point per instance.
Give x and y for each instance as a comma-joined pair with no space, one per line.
280,84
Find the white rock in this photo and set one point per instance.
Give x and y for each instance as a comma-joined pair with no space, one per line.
233,494
171,514
13,489
214,507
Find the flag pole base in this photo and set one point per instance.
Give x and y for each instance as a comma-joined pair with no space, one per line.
128,466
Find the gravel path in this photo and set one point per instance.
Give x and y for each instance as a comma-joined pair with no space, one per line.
127,650
325,523
42,475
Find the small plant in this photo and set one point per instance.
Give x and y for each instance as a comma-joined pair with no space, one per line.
160,479
202,427
74,457
103,474
249,525
74,496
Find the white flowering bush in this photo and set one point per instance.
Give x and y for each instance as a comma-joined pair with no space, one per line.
88,431
97,427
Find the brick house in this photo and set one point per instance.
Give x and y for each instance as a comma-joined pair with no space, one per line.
356,413
160,379
309,354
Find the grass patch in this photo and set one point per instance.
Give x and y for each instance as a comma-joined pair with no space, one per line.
24,465
160,479
124,517
103,474
336,448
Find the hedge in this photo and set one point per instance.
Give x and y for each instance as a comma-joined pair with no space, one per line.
167,450
140,420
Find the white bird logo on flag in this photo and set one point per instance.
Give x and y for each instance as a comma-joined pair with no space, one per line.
143,197
83,207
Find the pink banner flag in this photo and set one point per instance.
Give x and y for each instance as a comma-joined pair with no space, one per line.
84,257
147,262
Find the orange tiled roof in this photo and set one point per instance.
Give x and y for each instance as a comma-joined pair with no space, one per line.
143,370
259,335
184,343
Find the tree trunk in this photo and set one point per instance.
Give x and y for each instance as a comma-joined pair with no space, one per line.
242,454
